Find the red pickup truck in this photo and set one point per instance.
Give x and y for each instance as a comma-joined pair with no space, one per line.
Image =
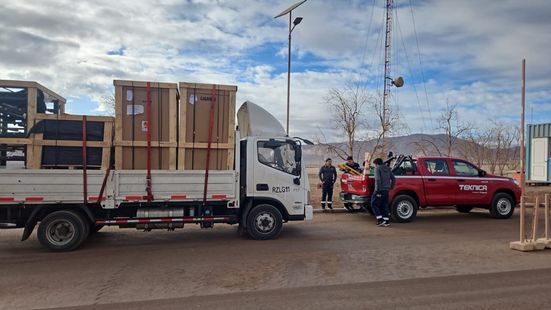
435,182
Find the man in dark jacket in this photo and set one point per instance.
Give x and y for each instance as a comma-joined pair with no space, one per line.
384,182
352,164
328,177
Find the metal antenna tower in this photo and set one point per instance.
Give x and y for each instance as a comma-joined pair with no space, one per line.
388,82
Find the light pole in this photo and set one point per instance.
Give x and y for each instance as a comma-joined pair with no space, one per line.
291,28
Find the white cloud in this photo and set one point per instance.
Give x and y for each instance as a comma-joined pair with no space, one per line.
471,52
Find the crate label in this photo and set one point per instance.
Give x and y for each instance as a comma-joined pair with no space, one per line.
134,109
129,95
192,99
144,126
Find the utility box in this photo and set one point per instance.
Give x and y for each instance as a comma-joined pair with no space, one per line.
538,153
131,117
196,100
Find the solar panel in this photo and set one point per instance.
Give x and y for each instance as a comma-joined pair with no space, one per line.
292,7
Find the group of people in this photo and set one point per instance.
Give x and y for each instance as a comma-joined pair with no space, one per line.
384,182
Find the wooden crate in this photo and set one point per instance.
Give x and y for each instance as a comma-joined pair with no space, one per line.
195,102
36,144
130,134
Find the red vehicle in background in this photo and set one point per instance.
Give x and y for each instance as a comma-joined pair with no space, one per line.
435,182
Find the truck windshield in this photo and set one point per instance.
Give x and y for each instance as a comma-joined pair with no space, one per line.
278,155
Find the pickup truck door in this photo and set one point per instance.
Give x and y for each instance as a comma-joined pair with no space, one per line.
440,186
471,188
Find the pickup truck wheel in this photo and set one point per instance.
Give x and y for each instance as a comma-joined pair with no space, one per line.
62,231
502,206
264,222
463,209
403,209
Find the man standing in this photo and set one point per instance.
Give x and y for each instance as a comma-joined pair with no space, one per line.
352,164
328,177
384,182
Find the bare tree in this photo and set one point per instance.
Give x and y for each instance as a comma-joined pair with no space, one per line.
347,105
108,103
453,128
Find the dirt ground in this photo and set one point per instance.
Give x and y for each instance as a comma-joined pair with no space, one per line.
442,260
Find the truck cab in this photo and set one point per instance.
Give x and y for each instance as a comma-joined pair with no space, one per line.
436,182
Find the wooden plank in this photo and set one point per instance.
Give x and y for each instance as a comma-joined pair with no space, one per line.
182,128
173,115
118,157
120,83
232,88
535,219
34,158
31,107
71,143
198,145
22,141
144,143
106,151
118,113
70,117
231,131
172,153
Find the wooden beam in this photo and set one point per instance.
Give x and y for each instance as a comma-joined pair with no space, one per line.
182,127
208,86
144,84
31,107
144,143
69,117
32,84
21,141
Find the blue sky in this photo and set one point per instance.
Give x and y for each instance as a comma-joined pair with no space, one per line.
470,53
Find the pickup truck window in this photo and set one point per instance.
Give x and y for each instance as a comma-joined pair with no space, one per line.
464,169
437,166
407,167
278,155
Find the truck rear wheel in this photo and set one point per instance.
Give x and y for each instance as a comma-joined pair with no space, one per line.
264,222
463,209
403,209
502,206
62,231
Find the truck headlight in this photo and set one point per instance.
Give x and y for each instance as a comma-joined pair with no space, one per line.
516,182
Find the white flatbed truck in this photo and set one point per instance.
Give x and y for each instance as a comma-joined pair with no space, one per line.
268,187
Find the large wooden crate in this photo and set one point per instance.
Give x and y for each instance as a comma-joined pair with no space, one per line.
195,103
44,150
130,125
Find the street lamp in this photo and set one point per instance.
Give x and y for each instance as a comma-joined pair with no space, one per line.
294,24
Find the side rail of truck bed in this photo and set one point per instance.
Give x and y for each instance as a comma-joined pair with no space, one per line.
67,186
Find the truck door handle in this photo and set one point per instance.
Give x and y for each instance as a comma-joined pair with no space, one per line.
431,180
461,180
262,187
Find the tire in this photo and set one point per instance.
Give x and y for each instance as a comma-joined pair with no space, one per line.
264,222
62,231
403,209
502,207
463,209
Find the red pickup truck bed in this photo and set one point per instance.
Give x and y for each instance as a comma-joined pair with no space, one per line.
435,182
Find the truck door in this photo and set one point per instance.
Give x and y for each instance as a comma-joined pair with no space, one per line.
277,174
440,186
471,188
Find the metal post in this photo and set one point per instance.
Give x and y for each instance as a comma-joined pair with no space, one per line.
522,155
289,72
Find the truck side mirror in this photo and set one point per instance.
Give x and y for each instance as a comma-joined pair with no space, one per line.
298,152
481,173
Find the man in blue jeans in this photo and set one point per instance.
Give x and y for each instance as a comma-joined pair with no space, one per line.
384,182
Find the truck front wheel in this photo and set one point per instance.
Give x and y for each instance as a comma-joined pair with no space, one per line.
502,206
62,231
264,222
403,209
